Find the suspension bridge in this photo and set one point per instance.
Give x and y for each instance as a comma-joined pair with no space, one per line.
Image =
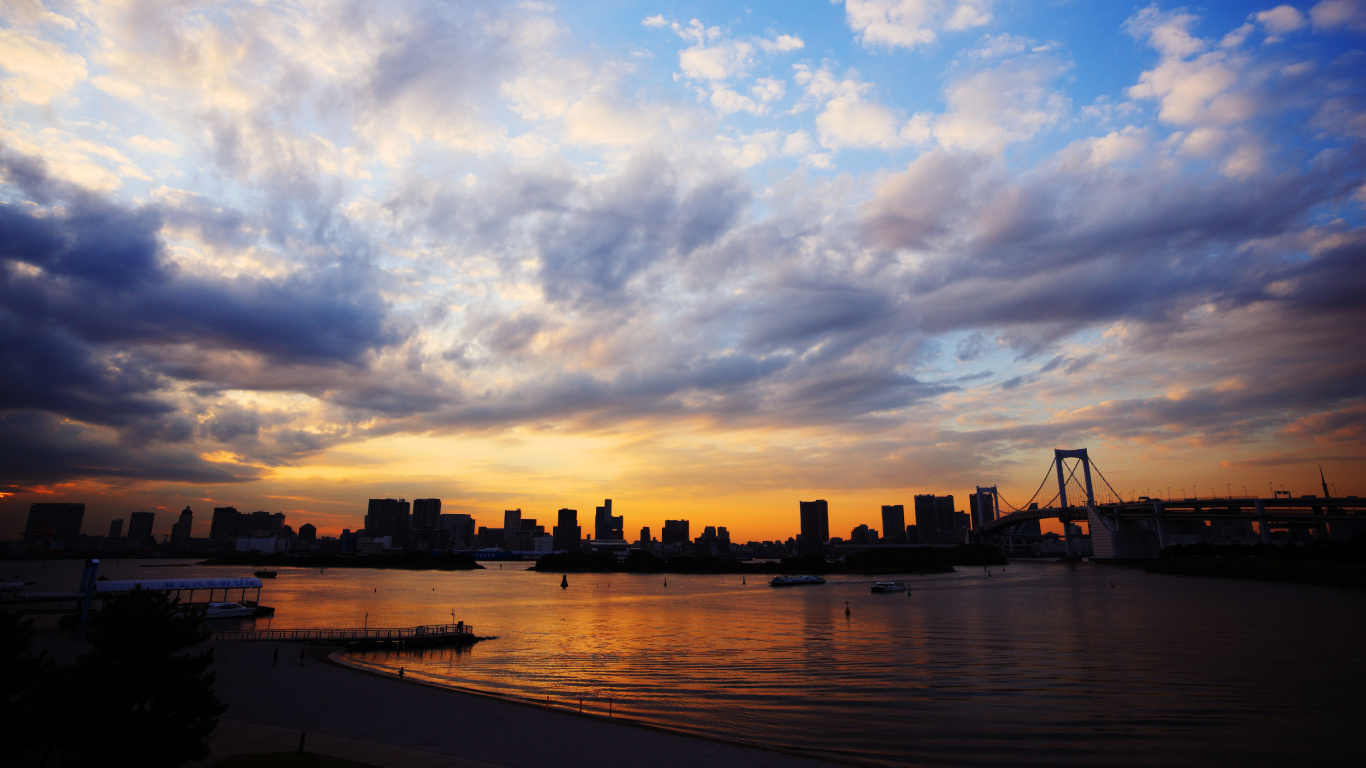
1138,529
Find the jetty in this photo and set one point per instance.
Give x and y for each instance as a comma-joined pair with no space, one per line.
425,636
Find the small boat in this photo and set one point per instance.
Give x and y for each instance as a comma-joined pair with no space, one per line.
564,581
889,586
265,574
795,581
228,610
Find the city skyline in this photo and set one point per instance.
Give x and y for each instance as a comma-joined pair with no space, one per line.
703,260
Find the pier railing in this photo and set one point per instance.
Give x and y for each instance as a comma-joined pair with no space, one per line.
424,633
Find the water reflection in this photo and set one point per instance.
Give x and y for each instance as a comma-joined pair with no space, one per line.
1038,664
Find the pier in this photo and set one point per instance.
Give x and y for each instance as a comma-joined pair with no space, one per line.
425,636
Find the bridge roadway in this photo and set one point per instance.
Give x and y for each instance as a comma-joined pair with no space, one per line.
1272,511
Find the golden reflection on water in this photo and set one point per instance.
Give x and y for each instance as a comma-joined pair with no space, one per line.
1036,664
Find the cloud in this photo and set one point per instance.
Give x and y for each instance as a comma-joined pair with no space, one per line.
911,23
1330,14
39,70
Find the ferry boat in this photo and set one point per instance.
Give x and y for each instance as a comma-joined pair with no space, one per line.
228,610
265,574
889,586
795,581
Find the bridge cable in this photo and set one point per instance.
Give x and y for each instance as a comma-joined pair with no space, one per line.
1046,475
1107,483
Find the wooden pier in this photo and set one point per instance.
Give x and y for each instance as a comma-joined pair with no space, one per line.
425,636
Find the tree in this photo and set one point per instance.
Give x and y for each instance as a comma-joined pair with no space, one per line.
145,697
26,718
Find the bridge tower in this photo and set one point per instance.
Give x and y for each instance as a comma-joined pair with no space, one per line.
1080,453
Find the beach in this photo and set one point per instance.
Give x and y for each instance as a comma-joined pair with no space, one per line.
325,699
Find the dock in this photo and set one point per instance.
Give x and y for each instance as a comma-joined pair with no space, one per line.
425,636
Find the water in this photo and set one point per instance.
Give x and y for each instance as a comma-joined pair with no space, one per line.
1037,665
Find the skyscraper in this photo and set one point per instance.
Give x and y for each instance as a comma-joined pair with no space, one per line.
815,524
426,513
387,517
606,526
116,528
53,525
457,530
567,533
894,523
180,531
140,527
225,523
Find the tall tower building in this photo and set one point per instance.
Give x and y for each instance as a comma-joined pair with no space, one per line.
675,532
387,517
815,524
116,528
53,525
426,513
567,534
606,526
180,531
894,523
140,527
225,524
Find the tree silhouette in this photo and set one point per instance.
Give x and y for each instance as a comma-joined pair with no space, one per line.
146,698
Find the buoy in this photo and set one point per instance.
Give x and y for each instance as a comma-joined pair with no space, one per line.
742,579
666,581
564,581
846,609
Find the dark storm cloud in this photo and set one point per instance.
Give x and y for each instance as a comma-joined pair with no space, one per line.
90,306
38,449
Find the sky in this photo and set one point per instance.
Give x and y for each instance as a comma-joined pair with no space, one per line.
706,259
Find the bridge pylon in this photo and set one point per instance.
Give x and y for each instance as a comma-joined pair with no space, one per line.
1078,453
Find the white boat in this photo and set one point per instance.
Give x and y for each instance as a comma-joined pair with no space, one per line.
889,586
228,610
793,581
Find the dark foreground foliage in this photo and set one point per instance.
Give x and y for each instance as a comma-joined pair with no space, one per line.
141,696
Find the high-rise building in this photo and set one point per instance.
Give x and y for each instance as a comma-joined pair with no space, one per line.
512,520
645,534
225,523
53,525
675,532
815,524
308,532
116,528
863,535
180,531
426,513
567,534
934,519
457,530
894,523
606,526
140,527
388,517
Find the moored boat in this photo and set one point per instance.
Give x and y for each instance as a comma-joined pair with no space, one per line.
265,574
889,586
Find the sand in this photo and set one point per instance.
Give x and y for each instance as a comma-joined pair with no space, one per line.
323,698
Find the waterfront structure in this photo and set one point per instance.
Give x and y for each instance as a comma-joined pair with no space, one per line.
53,525
180,531
894,523
388,517
675,532
140,527
815,520
983,507
606,526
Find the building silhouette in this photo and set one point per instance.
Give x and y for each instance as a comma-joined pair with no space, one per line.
426,513
140,528
116,528
225,523
815,524
180,530
53,525
308,532
894,523
457,531
935,521
388,517
987,511
567,533
606,526
675,532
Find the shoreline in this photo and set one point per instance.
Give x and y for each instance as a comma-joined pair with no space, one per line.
336,657
316,693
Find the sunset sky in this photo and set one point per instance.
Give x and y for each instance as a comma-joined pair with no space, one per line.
705,259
